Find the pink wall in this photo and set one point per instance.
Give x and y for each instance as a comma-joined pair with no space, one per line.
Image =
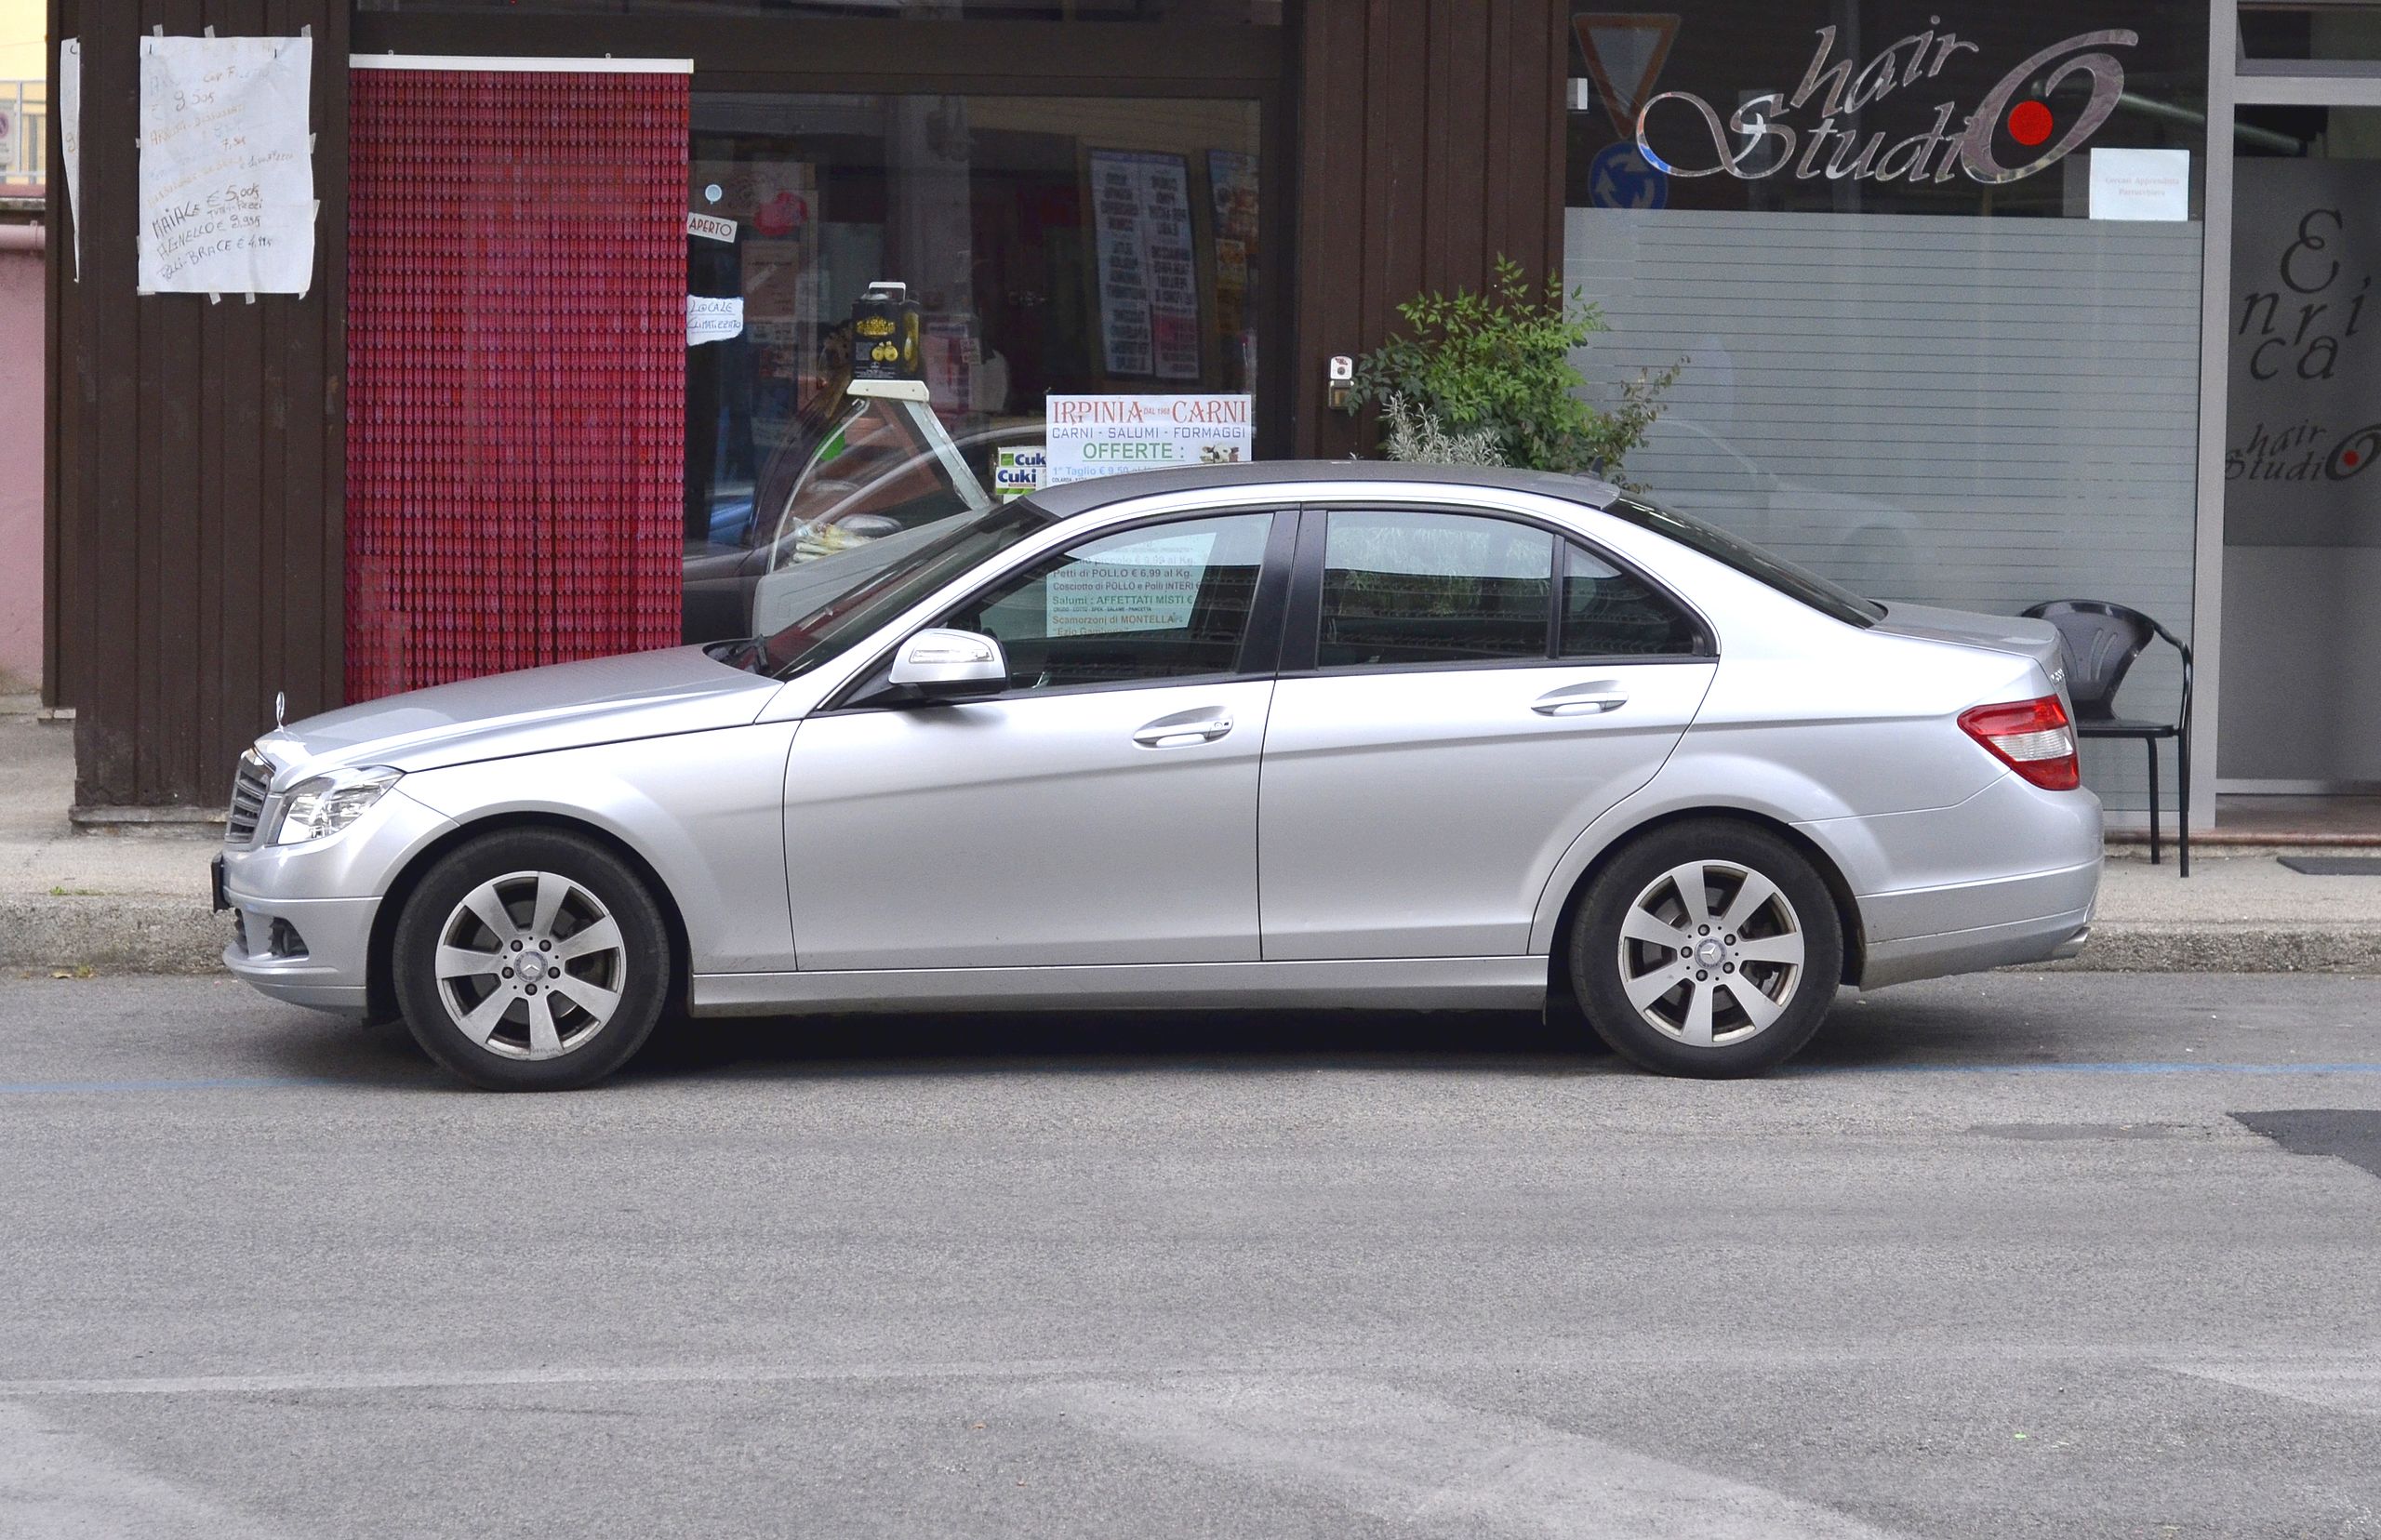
20,458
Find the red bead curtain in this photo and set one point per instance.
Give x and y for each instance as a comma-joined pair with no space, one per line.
516,370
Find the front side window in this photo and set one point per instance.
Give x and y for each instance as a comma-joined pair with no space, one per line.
1433,588
848,594
1164,601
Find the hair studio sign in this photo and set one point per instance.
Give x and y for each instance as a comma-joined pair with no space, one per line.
1766,145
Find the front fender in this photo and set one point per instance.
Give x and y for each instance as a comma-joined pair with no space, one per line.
704,810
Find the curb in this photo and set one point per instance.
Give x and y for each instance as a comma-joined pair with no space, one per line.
177,935
112,934
2238,945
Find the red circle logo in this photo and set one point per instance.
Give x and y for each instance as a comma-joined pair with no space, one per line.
2029,123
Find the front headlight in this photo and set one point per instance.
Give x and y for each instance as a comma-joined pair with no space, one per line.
326,805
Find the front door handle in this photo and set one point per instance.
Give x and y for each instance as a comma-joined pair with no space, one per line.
1183,729
1580,700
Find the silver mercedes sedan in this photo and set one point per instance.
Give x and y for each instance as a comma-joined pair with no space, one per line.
1328,735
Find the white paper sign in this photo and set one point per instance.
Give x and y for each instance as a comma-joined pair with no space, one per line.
1104,435
70,136
227,165
1146,585
2141,184
711,227
1148,281
710,320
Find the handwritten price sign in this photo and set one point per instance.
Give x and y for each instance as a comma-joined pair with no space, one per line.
227,169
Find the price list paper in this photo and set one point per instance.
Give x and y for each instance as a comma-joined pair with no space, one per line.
227,168
1149,281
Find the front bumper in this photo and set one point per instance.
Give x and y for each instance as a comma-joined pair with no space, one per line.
306,951
303,914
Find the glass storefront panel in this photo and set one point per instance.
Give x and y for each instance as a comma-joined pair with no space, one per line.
1936,280
1261,12
2302,511
2309,31
1051,244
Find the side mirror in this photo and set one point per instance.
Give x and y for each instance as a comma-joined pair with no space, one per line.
949,662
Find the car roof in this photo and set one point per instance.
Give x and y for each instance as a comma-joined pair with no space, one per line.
1084,496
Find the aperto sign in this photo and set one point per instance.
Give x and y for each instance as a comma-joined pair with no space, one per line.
1797,135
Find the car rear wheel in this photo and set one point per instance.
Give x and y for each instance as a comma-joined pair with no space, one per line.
531,960
1708,948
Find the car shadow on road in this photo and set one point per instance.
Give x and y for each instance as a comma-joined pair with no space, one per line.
1228,1040
1859,1034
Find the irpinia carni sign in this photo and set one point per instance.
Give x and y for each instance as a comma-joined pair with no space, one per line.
1103,436
1764,145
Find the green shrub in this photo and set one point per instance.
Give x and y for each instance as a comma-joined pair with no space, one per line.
1496,369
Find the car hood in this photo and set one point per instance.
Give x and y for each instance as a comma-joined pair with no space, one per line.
2010,633
565,705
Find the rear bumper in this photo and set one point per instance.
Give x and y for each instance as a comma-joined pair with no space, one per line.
2042,941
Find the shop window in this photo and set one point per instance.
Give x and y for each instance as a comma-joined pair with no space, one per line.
2308,33
1168,601
1261,12
1433,588
1095,245
1933,275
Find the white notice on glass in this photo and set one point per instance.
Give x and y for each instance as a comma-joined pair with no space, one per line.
712,320
1152,585
2141,184
1105,435
70,136
227,165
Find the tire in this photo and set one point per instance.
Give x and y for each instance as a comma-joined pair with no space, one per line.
1752,995
577,1001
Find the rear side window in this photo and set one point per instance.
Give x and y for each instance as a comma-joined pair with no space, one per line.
1608,612
1421,588
1433,588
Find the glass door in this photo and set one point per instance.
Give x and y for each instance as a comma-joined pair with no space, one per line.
2300,691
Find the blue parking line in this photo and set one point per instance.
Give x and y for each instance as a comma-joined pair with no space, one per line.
40,1088
2140,1068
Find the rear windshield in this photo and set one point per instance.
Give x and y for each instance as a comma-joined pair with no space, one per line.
1827,598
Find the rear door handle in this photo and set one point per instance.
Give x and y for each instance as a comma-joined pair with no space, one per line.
1580,700
1183,729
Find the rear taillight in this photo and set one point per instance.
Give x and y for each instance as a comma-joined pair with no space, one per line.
2032,737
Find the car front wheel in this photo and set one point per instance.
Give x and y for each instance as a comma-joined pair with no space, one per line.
1709,947
531,960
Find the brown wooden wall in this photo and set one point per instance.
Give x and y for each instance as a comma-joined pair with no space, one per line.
1429,140
196,476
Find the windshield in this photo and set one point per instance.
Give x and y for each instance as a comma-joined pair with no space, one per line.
847,593
1827,598
889,465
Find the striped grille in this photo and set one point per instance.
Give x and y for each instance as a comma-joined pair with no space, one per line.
247,798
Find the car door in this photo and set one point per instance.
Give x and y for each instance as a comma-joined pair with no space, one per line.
1100,810
1461,694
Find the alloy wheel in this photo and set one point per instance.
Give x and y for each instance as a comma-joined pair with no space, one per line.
1711,953
530,966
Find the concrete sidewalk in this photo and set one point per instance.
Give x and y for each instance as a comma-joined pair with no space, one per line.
137,902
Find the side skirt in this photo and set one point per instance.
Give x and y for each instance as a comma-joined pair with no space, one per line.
1418,983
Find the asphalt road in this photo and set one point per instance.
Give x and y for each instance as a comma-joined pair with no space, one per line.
1999,1257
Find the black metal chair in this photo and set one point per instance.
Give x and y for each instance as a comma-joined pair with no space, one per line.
2101,640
